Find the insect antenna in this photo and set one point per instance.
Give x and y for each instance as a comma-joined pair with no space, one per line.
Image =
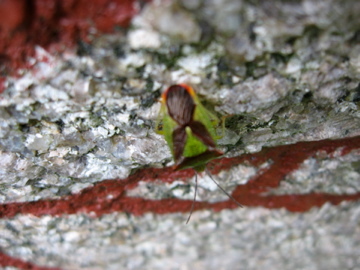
223,190
193,203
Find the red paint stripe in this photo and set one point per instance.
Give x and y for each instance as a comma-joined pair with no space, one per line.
110,195
6,260
55,25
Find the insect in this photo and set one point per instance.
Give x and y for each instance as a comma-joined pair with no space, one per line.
189,130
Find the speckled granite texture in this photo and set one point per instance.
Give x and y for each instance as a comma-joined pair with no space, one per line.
86,183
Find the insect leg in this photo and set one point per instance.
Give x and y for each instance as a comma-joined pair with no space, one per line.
223,190
193,203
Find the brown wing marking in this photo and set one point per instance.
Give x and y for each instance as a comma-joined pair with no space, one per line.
200,131
180,104
179,140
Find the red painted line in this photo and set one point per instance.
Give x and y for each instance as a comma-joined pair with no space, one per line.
110,195
6,260
67,22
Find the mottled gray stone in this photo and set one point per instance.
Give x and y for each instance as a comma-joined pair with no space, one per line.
253,238
283,72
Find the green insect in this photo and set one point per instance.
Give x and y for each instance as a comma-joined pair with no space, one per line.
189,130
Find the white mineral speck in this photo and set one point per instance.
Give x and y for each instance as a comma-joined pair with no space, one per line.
6,159
59,152
144,38
71,236
252,148
77,187
206,183
24,82
196,64
38,142
182,76
171,21
22,164
293,66
132,60
355,59
48,92
99,131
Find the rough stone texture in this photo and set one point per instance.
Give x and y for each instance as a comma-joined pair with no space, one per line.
251,238
286,75
55,25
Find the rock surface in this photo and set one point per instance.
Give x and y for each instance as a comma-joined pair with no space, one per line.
85,180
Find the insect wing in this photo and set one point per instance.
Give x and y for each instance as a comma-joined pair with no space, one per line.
200,131
180,104
188,128
208,119
166,126
179,141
